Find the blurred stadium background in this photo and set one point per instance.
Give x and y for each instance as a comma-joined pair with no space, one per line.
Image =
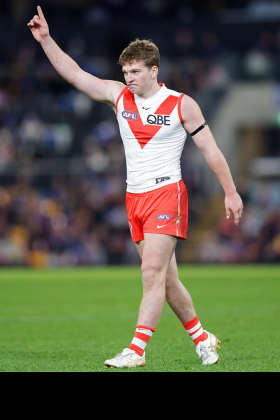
62,166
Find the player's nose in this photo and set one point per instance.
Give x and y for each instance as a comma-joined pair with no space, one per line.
129,78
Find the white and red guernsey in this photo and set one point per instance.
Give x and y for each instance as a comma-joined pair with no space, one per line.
153,138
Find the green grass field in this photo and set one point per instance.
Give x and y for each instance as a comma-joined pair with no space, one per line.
72,320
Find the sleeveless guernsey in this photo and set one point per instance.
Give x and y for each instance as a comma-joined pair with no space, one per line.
153,138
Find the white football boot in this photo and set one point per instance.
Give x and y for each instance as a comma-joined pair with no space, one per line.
127,359
207,350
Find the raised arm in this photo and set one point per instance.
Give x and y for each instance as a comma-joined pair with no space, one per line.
97,89
204,140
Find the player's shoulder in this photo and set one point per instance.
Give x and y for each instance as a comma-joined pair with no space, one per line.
120,86
189,107
112,91
188,101
172,92
116,88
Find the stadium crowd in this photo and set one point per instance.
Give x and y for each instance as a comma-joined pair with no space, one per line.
256,239
62,165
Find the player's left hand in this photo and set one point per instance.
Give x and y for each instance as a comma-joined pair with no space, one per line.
234,205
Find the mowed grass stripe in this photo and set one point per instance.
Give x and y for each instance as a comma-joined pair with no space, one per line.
63,318
73,320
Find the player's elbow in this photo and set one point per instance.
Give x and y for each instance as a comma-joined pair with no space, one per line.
209,150
74,76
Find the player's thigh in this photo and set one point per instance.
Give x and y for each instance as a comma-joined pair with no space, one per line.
157,251
172,271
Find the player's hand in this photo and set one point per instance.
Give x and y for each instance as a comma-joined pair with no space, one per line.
234,205
38,26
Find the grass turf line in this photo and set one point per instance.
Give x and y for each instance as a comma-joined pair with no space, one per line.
73,320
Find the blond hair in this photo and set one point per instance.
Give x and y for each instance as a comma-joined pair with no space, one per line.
141,50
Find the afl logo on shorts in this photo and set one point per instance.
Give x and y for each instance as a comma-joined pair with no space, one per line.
129,115
163,217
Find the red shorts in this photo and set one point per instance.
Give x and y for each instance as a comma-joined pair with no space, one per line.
164,211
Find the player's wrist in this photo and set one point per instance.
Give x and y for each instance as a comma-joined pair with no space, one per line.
45,40
231,192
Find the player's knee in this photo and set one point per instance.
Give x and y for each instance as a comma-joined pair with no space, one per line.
152,273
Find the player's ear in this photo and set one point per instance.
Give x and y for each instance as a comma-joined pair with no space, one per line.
154,72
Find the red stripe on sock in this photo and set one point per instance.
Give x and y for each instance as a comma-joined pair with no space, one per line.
143,337
193,333
202,337
142,327
137,349
191,324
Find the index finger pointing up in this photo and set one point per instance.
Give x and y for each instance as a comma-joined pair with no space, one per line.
40,13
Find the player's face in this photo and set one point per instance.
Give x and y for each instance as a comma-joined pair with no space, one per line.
139,78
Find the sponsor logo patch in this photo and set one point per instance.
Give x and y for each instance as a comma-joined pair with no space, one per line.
159,180
158,119
163,216
129,115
